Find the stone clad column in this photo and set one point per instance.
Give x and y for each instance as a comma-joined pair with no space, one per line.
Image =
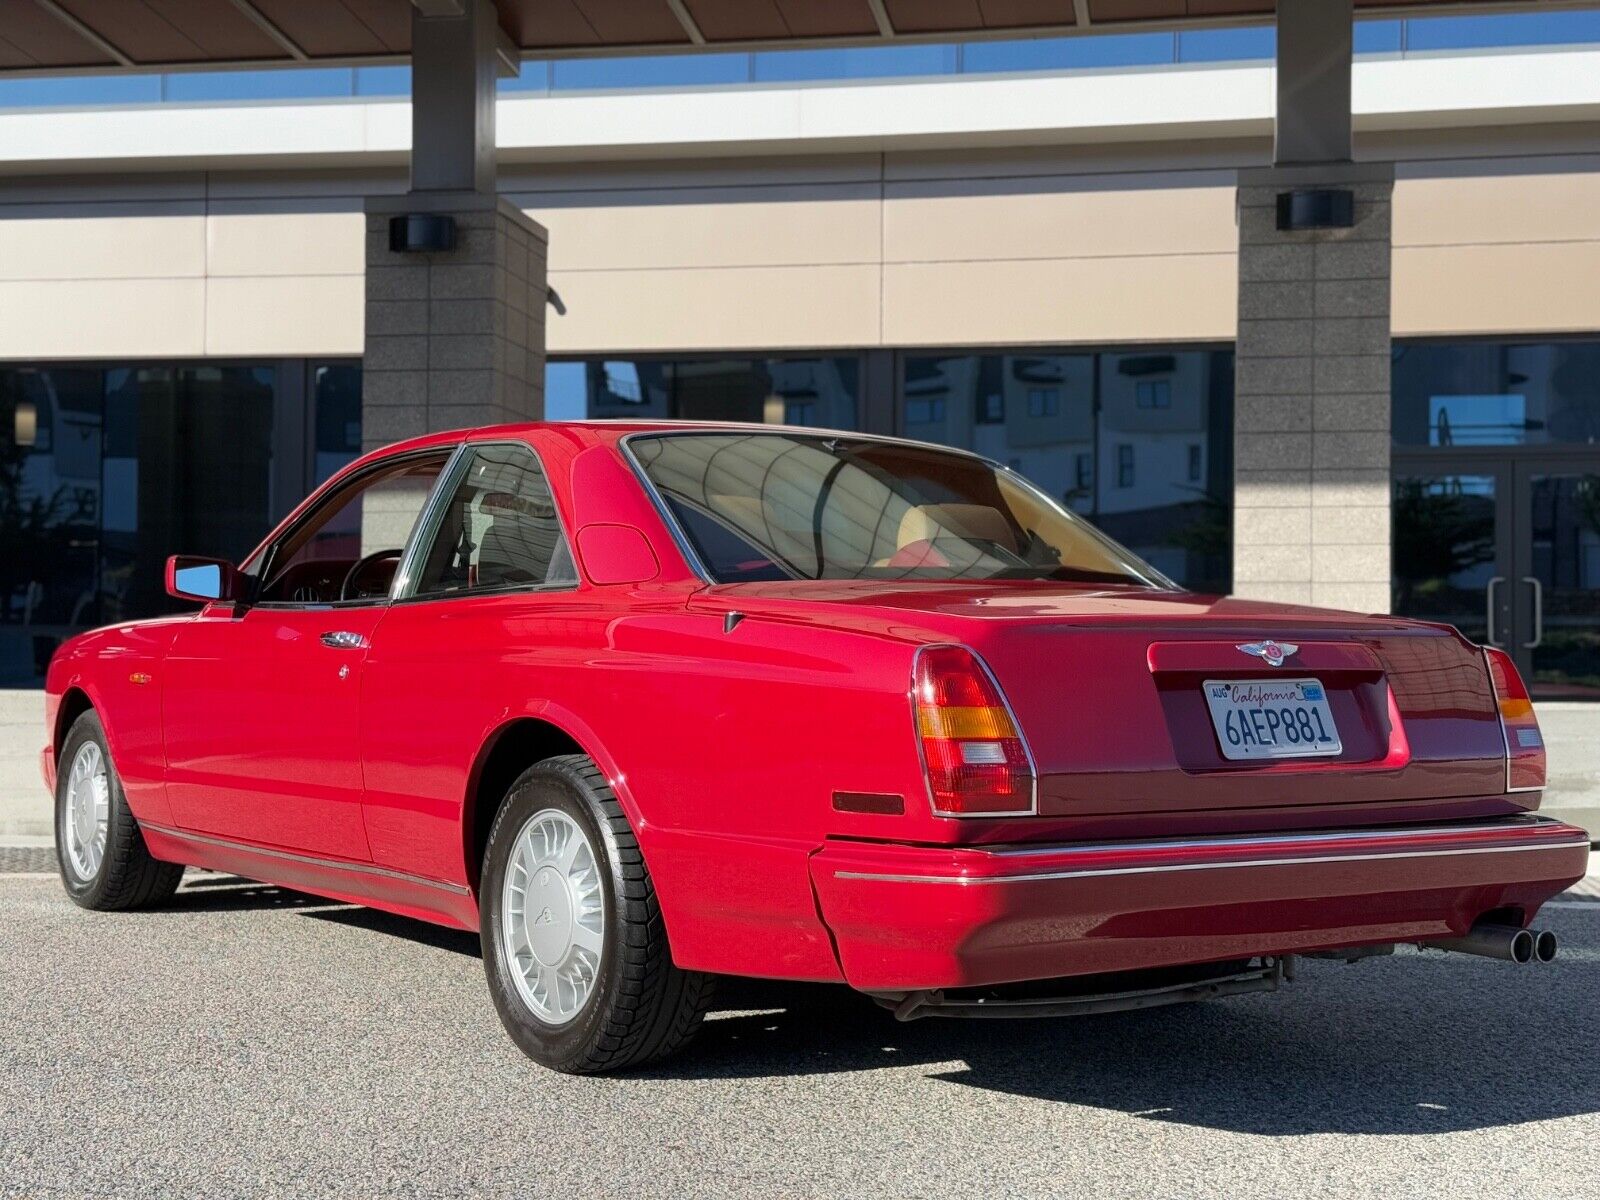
1311,376
454,337
455,332
1311,416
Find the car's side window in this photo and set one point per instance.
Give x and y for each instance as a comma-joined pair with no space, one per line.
349,546
497,530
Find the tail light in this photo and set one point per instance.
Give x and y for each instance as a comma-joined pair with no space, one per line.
972,749
1525,758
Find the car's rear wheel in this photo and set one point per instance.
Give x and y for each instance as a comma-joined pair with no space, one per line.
103,859
573,942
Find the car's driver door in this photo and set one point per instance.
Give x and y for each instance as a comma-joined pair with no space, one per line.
259,704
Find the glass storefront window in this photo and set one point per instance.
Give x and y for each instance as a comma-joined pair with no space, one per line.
1494,393
336,401
104,471
1141,442
818,392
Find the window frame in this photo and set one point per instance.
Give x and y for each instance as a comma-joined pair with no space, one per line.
432,516
318,500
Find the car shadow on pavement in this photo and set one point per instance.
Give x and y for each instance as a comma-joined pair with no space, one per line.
1415,1046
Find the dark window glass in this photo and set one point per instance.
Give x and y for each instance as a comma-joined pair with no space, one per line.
498,530
1174,511
1444,549
336,408
819,392
1124,465
794,506
348,547
52,423
187,469
1496,393
104,472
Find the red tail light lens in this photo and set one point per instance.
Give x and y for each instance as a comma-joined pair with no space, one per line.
1525,757
971,747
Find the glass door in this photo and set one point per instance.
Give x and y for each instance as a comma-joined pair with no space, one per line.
1452,554
1554,583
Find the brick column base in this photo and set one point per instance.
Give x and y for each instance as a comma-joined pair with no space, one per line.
1311,415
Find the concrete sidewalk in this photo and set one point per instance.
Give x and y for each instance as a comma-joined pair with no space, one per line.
1571,729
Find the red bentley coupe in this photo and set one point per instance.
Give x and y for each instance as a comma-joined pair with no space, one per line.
648,704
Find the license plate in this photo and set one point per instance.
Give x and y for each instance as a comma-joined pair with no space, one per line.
1272,718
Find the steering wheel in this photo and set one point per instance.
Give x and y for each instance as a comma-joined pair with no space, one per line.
360,565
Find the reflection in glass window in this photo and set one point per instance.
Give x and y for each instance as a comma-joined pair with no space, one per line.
1139,441
769,506
1493,393
104,473
860,62
1444,549
336,403
1070,53
817,392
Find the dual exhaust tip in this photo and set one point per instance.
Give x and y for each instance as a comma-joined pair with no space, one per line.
1505,942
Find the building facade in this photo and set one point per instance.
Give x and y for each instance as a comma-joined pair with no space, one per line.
1015,251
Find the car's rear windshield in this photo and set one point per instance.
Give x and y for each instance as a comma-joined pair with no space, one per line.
779,506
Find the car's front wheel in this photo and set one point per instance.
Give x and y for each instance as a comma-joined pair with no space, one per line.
573,941
102,855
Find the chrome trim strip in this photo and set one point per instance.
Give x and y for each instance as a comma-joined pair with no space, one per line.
1167,868
185,835
1273,839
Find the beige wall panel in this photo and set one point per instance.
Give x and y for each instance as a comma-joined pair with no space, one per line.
1493,207
288,315
1545,288
731,227
102,318
290,238
1176,297
1055,218
737,308
102,241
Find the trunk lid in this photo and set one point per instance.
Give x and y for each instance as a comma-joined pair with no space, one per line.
1107,687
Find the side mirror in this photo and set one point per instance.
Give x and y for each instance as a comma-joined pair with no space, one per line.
192,578
616,554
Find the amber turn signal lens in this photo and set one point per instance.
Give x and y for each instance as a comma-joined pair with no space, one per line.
972,750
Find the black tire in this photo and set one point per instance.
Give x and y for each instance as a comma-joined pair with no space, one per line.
642,1007
126,876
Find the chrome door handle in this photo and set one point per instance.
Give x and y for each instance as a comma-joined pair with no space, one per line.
1538,612
343,639
1488,633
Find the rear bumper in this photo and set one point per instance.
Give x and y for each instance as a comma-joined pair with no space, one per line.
909,917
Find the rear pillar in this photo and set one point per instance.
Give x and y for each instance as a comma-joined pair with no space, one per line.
1311,416
456,287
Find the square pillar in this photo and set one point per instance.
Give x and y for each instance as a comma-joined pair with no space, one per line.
453,337
1311,416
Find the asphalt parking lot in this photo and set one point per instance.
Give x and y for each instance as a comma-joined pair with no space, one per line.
250,1041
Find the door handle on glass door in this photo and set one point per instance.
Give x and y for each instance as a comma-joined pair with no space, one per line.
1488,617
1538,612
343,639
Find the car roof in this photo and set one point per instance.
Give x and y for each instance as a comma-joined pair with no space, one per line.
600,431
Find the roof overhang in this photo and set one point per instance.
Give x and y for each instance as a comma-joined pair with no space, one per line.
47,37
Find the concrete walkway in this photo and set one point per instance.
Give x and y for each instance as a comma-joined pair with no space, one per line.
1571,729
